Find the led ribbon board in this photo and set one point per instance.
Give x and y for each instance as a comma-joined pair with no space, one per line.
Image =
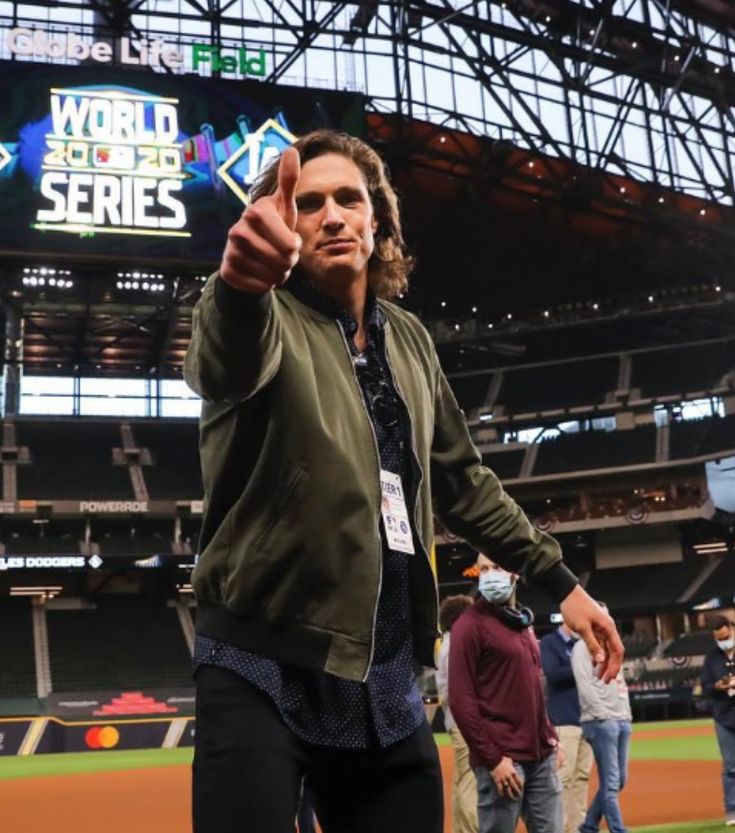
112,164
108,162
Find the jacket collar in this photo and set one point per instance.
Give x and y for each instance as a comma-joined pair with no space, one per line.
303,290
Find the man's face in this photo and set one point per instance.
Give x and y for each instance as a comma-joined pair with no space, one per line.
335,219
725,632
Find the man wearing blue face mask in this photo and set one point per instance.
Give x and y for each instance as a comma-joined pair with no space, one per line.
718,683
497,702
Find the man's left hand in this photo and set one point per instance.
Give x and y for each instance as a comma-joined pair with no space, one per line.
584,616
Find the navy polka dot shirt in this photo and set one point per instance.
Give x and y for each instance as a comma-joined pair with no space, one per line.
320,708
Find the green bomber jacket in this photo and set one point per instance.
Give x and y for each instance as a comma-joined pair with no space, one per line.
290,553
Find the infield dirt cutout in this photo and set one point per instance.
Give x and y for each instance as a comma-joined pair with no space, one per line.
158,799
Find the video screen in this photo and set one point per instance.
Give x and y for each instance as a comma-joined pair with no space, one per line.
107,162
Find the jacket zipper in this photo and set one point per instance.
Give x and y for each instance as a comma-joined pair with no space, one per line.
418,485
379,541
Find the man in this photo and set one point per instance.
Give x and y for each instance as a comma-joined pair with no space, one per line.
563,706
606,725
497,700
464,788
327,431
718,683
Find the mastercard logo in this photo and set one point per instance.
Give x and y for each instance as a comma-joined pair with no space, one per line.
102,737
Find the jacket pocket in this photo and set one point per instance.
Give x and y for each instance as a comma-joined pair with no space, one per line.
280,509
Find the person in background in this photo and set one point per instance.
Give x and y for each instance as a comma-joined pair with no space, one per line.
464,788
718,684
562,703
497,701
606,725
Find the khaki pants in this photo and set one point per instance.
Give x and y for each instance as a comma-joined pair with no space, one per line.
464,789
575,775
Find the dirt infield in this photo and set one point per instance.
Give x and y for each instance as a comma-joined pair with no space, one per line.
156,800
658,792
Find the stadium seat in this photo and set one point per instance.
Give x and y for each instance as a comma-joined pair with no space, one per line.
125,642
17,663
82,449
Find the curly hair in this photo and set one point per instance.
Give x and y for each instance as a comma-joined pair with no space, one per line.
390,263
451,609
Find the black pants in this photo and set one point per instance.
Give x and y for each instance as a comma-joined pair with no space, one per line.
248,769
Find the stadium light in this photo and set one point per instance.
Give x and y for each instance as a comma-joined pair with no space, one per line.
133,281
43,276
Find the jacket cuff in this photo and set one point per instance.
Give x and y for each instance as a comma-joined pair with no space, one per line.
236,304
558,581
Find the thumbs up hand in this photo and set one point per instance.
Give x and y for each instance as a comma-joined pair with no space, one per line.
263,247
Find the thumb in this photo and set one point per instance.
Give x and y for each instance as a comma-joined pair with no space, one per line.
289,168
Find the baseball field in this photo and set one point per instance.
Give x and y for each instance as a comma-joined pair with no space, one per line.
674,786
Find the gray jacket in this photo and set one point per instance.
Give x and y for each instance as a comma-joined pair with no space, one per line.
598,700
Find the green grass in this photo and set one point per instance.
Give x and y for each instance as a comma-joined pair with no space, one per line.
702,748
696,748
673,724
684,827
70,763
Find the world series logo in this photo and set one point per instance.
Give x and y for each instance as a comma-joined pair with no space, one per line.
117,160
113,164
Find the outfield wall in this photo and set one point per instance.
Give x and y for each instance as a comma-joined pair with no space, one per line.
39,735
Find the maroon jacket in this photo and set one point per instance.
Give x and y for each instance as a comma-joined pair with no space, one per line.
495,689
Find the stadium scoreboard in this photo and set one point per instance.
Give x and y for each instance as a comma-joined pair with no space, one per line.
102,160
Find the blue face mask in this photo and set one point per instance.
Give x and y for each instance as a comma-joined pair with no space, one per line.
496,586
